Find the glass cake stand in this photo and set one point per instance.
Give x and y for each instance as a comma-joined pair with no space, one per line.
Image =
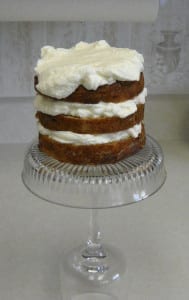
103,186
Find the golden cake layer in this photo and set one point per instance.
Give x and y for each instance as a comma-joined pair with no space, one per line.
115,93
89,125
92,154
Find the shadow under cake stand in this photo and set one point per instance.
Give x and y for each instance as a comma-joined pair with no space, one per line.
95,187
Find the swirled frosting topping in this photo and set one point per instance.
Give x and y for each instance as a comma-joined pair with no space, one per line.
61,71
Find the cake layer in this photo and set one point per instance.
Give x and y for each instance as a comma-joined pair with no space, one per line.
91,125
116,92
92,154
123,109
69,137
61,71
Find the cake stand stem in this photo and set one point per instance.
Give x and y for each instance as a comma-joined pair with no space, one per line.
93,261
94,249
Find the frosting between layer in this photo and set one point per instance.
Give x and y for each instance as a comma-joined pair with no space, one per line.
123,109
60,71
69,137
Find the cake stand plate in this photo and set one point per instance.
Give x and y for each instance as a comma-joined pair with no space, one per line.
102,186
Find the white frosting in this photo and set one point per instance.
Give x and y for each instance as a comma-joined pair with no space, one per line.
60,71
102,109
69,137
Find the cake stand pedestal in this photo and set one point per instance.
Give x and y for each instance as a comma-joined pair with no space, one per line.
95,187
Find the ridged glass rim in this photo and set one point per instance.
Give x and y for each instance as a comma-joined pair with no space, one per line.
78,173
138,172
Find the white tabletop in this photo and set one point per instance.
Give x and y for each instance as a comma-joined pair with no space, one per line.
153,234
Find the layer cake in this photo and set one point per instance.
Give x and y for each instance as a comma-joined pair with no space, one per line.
90,103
